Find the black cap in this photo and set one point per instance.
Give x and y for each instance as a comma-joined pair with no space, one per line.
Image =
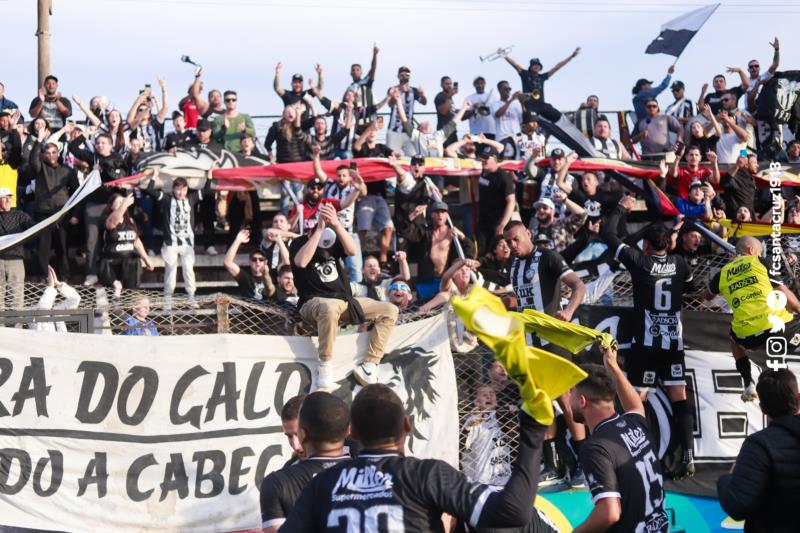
677,85
315,181
176,114
530,116
556,153
404,69
485,151
417,160
535,61
297,77
641,82
439,206
203,124
5,114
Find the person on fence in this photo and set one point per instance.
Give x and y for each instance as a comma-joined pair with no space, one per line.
619,456
322,425
178,211
396,137
410,494
50,105
256,281
373,284
326,298
763,487
119,257
285,290
12,266
138,322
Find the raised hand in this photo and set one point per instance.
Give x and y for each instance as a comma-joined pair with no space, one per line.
41,94
375,48
671,70
711,156
627,202
243,236
318,68
278,68
162,83
576,52
774,44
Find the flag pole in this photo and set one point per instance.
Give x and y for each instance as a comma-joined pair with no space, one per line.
698,31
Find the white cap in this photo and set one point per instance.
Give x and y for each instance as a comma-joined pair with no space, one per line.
4,191
327,239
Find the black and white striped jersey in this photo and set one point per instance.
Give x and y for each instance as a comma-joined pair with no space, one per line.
658,286
536,280
608,147
683,108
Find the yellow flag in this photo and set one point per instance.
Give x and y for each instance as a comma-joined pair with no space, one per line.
573,337
752,229
541,376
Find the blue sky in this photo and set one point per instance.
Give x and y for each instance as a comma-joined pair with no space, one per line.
114,47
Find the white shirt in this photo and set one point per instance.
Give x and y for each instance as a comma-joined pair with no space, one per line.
479,123
728,148
507,125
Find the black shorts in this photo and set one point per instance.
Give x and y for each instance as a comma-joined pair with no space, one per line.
790,345
648,366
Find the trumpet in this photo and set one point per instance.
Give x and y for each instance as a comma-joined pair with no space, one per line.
497,54
536,94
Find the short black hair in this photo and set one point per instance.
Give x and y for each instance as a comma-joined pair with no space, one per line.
51,77
501,82
229,91
599,385
513,224
342,167
283,269
777,392
719,76
377,414
658,235
324,417
479,78
694,147
291,409
179,182
444,78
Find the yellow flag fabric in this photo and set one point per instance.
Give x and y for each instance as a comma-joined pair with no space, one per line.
751,229
573,337
8,180
541,376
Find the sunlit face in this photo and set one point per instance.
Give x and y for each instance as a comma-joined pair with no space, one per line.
51,155
289,114
141,310
480,86
719,83
501,250
355,72
371,270
545,214
280,222
696,195
114,119
593,102
519,241
743,214
286,281
5,123
589,183
693,157
462,277
793,214
691,241
349,97
179,122
793,151
180,191
485,399
51,87
439,218
39,124
5,204
343,178
425,127
102,146
651,108
320,126
557,163
696,129
497,373
400,298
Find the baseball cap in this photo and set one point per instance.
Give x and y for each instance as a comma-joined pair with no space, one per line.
530,116
439,206
541,237
556,153
546,202
5,191
535,61
677,85
641,82
315,181
203,124
695,183
417,160
327,239
485,151
404,69
297,76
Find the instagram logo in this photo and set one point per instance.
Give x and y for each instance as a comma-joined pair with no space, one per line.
777,347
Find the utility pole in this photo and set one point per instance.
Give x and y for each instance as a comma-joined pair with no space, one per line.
45,9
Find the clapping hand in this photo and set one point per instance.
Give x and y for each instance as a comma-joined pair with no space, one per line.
327,214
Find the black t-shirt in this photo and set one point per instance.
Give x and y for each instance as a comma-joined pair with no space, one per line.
323,276
535,279
600,203
706,144
377,188
382,491
250,286
493,188
619,462
442,119
714,100
281,489
739,190
118,243
533,82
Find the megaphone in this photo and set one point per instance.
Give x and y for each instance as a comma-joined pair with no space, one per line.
187,59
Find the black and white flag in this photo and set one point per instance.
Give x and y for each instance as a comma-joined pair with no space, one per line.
677,33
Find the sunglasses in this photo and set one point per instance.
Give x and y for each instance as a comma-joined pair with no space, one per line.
312,187
652,107
257,259
753,66
230,99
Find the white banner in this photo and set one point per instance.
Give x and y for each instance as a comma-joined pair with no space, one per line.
103,433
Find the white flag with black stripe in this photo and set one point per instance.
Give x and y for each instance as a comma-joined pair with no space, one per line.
677,33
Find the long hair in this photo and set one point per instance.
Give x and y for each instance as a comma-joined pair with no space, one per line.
118,137
126,217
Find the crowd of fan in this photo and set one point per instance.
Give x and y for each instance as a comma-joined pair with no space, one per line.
318,255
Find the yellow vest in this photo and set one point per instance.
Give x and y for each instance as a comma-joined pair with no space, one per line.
745,284
8,180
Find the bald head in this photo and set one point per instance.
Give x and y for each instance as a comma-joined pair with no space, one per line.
748,246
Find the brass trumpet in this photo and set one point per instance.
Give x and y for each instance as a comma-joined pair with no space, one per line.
497,54
536,94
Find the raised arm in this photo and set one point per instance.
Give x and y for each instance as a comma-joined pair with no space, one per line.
86,111
513,63
162,112
276,82
561,177
740,132
447,277
318,172
117,215
503,108
230,256
578,290
320,81
196,93
776,57
628,397
742,76
560,64
715,174
358,143
134,117
374,65
402,263
359,191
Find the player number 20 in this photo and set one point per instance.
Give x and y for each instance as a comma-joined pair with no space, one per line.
353,518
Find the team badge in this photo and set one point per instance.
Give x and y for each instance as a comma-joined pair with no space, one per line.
649,378
795,341
677,371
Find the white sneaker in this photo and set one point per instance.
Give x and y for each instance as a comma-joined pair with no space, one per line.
749,393
366,373
211,251
325,377
90,280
